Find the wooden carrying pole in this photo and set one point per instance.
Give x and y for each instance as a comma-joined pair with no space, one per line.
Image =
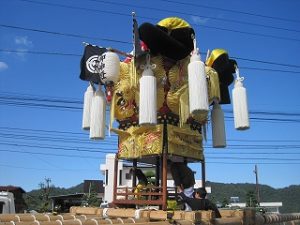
164,166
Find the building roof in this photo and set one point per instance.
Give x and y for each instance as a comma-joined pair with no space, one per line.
68,196
11,188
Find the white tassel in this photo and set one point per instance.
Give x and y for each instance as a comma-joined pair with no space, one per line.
240,104
98,111
218,127
87,102
198,94
148,96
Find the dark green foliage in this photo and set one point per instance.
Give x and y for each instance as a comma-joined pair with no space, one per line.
251,199
150,176
91,199
289,196
225,202
35,201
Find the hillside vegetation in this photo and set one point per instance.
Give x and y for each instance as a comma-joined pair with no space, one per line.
289,196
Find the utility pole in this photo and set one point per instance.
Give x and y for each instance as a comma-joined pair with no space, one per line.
257,185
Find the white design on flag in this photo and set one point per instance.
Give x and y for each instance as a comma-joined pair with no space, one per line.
92,64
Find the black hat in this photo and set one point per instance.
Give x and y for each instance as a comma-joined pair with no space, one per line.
171,37
225,67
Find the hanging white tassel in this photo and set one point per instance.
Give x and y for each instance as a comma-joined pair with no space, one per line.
240,104
198,94
98,111
87,102
148,96
218,126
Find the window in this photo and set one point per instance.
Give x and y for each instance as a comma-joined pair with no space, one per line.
120,177
106,177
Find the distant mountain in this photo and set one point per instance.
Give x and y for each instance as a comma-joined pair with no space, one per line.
289,196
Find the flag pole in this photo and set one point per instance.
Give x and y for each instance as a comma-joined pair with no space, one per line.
133,82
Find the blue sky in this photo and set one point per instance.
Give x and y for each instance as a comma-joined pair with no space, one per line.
41,93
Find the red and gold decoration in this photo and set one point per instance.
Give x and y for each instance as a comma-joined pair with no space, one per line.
163,93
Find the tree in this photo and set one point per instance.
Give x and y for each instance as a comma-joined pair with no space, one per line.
44,196
251,199
225,202
91,198
150,174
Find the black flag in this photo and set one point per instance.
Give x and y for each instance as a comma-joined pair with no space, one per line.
90,63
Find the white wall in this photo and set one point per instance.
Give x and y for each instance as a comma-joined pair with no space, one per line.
109,166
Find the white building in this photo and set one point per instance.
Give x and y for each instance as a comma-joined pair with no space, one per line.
271,207
124,177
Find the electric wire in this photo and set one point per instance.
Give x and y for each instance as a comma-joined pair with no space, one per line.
63,34
43,169
157,19
80,55
232,11
207,157
125,42
53,106
49,99
59,133
196,15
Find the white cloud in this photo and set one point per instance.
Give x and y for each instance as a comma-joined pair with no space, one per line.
24,41
198,20
3,66
22,53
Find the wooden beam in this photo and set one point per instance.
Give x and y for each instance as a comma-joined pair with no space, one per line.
115,177
203,172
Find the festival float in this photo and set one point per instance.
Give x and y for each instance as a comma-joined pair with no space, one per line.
162,98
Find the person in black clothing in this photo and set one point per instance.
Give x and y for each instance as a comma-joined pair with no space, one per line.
199,202
140,176
184,179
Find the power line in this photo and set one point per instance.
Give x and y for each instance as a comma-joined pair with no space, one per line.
232,11
151,18
50,99
14,136
209,157
64,107
196,15
252,153
40,52
271,70
68,133
254,158
49,154
266,62
125,42
252,163
112,144
34,168
77,149
63,34
80,55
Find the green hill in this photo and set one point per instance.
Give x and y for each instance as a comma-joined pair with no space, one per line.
289,196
